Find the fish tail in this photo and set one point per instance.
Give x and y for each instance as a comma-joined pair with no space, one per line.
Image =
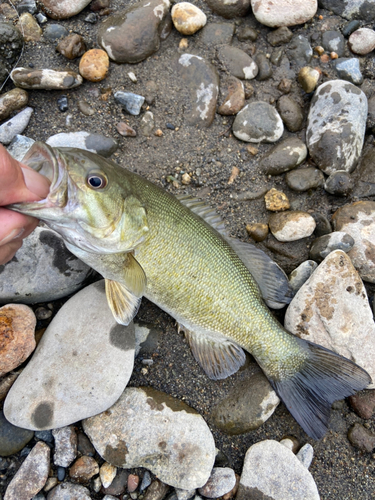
323,378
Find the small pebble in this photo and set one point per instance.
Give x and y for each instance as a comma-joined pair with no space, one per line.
125,130
54,32
306,455
72,46
62,103
301,274
107,474
130,102
85,108
308,78
291,226
147,124
363,403
303,179
361,438
324,245
276,200
91,18
94,65
133,482
83,469
65,446
187,18
132,77
146,481
257,231
61,472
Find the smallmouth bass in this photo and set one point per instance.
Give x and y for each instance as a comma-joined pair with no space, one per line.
146,242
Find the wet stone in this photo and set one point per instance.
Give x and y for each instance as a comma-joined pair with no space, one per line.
62,9
291,225
363,403
214,34
131,103
72,46
280,36
230,10
275,14
237,62
187,18
361,438
324,245
300,51
45,79
258,122
15,126
69,491
65,446
291,113
350,27
283,157
55,32
348,68
301,274
323,225
234,92
340,183
304,179
333,41
12,439
96,143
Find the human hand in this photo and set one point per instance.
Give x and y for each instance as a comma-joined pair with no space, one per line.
18,183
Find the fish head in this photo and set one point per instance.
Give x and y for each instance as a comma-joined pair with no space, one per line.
91,202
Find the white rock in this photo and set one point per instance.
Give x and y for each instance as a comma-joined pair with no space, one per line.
332,309
291,225
15,125
362,41
184,494
107,474
270,469
45,79
80,368
284,12
187,18
222,480
306,455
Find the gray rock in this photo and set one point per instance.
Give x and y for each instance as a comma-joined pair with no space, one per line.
132,103
27,6
258,122
221,482
96,143
348,29
291,113
247,407
245,33
323,225
264,67
364,175
15,125
348,68
69,491
45,79
147,124
147,428
333,41
54,32
336,126
76,346
324,245
280,13
237,62
62,9
300,51
31,476
272,471
285,156
65,446
19,146
229,10
201,88
11,43
306,455
12,439
280,36
214,34
333,298
42,270
301,274
119,34
304,179
340,183
184,494
351,9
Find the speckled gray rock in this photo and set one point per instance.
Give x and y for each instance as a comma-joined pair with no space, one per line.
221,481
280,13
348,68
147,428
237,62
12,438
45,79
76,346
301,274
303,179
333,41
331,300
291,225
272,471
229,8
42,270
65,446
351,9
15,125
31,476
62,9
324,245
69,491
336,126
96,143
120,34
132,103
285,156
258,122
19,146
300,51
200,89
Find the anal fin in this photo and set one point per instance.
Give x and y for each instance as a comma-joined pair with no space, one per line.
123,303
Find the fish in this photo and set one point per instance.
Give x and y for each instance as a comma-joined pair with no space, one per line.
175,251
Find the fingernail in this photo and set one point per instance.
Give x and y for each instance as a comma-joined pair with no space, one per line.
12,235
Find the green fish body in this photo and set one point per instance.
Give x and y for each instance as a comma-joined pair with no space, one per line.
146,242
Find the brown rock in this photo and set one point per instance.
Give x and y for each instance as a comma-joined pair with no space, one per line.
235,97
133,482
83,469
276,200
8,12
17,326
363,403
361,438
257,231
94,65
125,130
63,9
12,101
30,29
98,5
291,113
72,46
156,490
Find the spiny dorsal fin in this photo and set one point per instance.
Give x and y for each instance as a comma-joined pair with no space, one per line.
204,211
123,303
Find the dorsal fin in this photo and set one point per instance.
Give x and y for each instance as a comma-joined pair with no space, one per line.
204,211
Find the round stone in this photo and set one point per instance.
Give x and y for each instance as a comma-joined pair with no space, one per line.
340,183
258,122
362,41
187,18
291,113
291,226
282,13
94,65
304,179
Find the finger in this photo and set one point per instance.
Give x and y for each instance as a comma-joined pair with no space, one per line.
7,252
14,225
35,182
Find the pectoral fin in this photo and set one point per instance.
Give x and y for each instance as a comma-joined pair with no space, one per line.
218,357
123,303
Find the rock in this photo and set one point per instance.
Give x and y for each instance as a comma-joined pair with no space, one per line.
85,108
17,342
291,113
15,125
234,99
333,41
363,403
324,245
131,103
276,14
11,101
363,176
6,383
107,474
258,122
285,156
69,491
237,62
247,407
72,46
336,126
362,41
31,476
118,485
245,33
348,29
62,9
45,79
276,200
264,67
333,298
280,36
30,29
323,225
133,482
7,12
270,470
11,43
340,183
301,274
358,220
300,51
96,143
144,427
201,87
187,18
351,9
27,6
98,5
120,33
348,68
214,34
257,231
221,481
146,481
361,438
76,346
147,124
83,469
54,32
291,226
65,446
84,446
125,130
308,78
230,10
12,439
304,179
156,491
306,455
94,65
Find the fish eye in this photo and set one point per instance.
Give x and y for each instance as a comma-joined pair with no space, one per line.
96,181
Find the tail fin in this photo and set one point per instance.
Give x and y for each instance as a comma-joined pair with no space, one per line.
324,378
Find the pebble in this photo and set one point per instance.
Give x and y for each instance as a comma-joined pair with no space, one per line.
107,474
363,403
214,34
27,6
264,67
364,175
200,83
234,99
69,491
306,455
362,41
361,438
348,29
31,476
147,124
291,225
146,481
98,5
120,33
15,126
301,274
280,36
30,29
336,126
258,122
91,18
271,470
187,18
45,436
156,491
323,225
54,32
131,103
62,103
94,65
118,485
62,9
257,231
45,79
358,220
83,469
237,62
324,245
280,13
85,108
76,346
340,183
251,403
308,78
350,10
333,298
133,482
221,481
145,422
12,439
300,51
72,46
304,179
6,383
291,113
11,43
184,494
96,143
276,200
333,41
84,445
125,130
65,446
230,10
285,156
245,32
61,473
